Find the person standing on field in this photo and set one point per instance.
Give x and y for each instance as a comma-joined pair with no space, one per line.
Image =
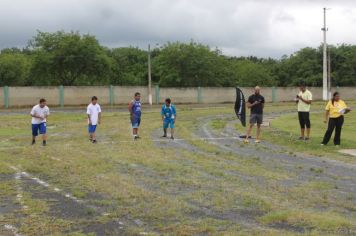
304,100
169,115
135,109
39,114
94,118
256,103
334,116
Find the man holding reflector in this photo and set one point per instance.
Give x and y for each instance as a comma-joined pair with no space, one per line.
256,103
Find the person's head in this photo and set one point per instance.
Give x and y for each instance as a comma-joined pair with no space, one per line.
43,102
94,100
168,102
336,97
137,96
257,90
302,87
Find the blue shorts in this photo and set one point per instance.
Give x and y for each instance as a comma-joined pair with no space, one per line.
168,123
41,128
91,129
135,122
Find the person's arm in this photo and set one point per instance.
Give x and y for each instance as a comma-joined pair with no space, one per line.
99,115
308,100
130,109
162,112
326,116
33,114
88,114
327,111
174,113
89,119
47,113
305,101
36,116
263,103
250,104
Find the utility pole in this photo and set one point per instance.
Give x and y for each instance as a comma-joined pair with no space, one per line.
149,76
325,65
329,74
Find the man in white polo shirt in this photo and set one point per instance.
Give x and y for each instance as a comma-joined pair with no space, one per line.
304,100
94,118
39,115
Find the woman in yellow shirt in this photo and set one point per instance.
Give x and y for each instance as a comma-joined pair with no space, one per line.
334,111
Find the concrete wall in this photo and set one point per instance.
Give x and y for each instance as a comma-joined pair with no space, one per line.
82,95
27,96
124,94
180,95
2,99
348,93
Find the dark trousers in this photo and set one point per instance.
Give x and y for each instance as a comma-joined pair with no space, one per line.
334,123
304,119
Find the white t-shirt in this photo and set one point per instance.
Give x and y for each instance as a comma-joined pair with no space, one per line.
41,112
93,111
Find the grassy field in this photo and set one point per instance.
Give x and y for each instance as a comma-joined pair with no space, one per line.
204,183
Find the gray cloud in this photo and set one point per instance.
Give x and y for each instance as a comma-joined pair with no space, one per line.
238,27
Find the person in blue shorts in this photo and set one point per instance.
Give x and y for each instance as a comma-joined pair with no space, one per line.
39,114
135,109
94,118
169,116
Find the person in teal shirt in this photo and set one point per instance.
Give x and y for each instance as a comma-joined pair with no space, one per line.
169,116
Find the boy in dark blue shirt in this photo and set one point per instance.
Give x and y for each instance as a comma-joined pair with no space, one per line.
135,109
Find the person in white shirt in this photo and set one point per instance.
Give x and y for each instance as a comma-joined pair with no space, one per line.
39,114
304,100
94,118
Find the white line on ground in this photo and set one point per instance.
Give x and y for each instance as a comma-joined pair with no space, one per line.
44,184
174,140
55,159
19,195
13,229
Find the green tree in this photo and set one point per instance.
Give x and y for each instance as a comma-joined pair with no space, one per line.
185,65
14,68
131,66
68,59
250,74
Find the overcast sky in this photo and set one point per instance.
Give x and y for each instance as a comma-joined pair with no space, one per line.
267,28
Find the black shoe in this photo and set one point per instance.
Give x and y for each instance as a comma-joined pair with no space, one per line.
172,138
164,136
307,139
94,141
44,143
301,138
33,142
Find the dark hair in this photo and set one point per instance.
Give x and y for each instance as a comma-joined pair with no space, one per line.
334,95
94,98
302,85
42,100
136,94
168,100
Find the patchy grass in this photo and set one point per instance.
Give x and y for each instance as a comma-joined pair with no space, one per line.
157,190
285,131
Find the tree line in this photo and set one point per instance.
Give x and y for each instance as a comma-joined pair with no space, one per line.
70,58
